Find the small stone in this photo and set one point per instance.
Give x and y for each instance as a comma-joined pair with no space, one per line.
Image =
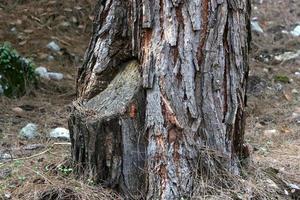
13,30
29,131
53,46
65,24
297,110
295,115
287,56
270,133
297,74
278,87
55,76
266,70
286,192
295,91
256,27
5,156
42,72
18,110
294,186
74,20
60,133
296,31
7,195
259,125
50,58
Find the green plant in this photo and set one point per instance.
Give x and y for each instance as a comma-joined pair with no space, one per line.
65,170
282,79
16,72
91,182
17,163
2,188
21,178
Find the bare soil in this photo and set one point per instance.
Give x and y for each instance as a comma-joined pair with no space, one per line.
273,104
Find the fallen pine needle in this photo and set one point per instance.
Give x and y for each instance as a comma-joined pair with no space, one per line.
35,155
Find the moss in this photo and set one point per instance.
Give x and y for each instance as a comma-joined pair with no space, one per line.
282,79
16,73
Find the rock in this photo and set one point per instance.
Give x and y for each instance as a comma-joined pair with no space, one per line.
13,29
296,31
295,91
270,133
297,74
7,195
256,27
65,24
42,72
287,56
53,46
295,118
295,115
5,156
293,186
278,87
50,58
55,76
18,110
29,131
60,133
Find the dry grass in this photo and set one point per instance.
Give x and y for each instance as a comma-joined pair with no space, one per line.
49,175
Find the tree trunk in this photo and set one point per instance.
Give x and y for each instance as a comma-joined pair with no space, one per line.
161,95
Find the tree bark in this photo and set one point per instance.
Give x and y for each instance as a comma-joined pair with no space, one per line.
161,95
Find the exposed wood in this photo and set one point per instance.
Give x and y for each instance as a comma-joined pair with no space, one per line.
107,138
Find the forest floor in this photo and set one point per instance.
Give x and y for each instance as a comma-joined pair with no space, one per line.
273,123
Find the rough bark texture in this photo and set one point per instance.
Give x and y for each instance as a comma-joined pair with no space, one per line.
161,94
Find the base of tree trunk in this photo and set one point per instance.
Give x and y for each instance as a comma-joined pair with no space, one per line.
107,134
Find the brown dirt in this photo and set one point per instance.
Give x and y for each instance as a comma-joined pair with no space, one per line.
272,109
68,22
